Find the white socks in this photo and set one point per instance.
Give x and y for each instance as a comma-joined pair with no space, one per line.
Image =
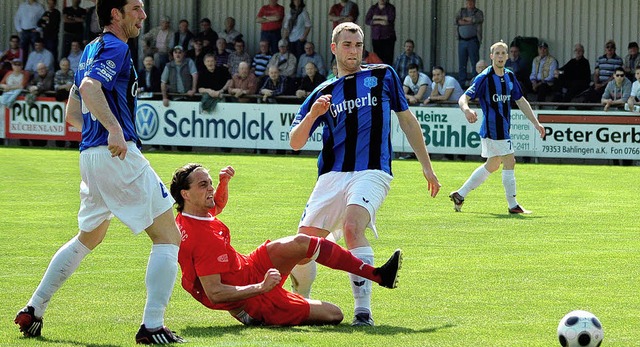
62,265
360,286
160,278
509,183
302,277
476,179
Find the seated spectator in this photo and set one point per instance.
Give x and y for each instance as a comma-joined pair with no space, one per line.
157,42
310,56
183,36
443,87
480,66
207,35
406,58
222,56
244,82
574,77
634,97
417,85
310,81
284,60
334,70
517,64
237,56
179,76
41,82
230,34
39,55
63,80
74,55
13,83
605,67
149,76
13,52
261,60
631,60
542,72
197,53
370,57
273,86
617,91
212,83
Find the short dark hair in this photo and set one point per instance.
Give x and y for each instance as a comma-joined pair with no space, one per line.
180,181
619,69
410,41
413,66
205,20
438,67
14,37
104,7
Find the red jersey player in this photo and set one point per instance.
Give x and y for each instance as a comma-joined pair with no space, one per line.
250,286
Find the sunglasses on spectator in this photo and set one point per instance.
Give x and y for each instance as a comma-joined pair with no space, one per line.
619,75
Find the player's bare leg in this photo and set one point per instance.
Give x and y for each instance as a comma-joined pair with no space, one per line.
323,313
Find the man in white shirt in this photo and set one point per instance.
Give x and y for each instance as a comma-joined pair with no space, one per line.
443,88
26,23
417,85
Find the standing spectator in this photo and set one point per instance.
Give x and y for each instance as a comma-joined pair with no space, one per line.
382,18
631,60
183,36
13,52
149,76
221,54
212,82
574,77
41,82
310,56
179,76
74,18
237,56
261,59
617,91
444,88
273,86
39,55
310,81
634,97
296,27
26,23
230,34
270,19
157,42
284,60
406,58
243,83
13,83
75,54
517,64
469,23
63,80
606,64
50,25
416,85
343,11
543,69
91,25
207,35
197,53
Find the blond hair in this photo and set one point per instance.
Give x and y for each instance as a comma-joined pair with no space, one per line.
498,44
349,26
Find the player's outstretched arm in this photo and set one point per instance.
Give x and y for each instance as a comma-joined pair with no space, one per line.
299,134
221,195
525,107
218,292
411,128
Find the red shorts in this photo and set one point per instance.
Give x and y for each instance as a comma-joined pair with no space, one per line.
278,306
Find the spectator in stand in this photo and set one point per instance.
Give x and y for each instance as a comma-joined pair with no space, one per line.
26,23
243,83
207,35
617,92
344,11
13,83
310,81
310,56
13,52
75,54
634,97
261,60
542,71
179,76
222,56
91,25
407,58
237,56
149,76
230,34
574,77
157,42
212,82
49,23
517,65
284,60
416,85
183,37
39,55
296,27
631,60
273,86
370,57
270,19
469,28
443,87
334,70
41,82
382,17
606,64
63,80
73,17
197,53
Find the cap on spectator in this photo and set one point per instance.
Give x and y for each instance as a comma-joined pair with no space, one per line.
16,60
632,45
283,43
178,48
543,44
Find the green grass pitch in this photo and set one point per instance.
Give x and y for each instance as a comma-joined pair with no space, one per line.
476,278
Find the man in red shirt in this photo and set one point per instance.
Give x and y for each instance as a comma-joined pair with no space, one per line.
270,18
250,286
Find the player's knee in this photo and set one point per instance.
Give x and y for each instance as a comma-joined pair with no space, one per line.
334,315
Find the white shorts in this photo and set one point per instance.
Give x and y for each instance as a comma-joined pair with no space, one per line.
128,189
334,191
495,148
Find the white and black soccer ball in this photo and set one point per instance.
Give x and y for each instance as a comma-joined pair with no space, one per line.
580,329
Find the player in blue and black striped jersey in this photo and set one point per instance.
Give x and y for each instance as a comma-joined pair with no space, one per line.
495,87
354,166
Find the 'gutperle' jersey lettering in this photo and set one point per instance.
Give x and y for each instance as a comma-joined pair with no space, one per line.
357,127
495,94
107,59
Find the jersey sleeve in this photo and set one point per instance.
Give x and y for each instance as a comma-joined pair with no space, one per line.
108,64
475,86
397,100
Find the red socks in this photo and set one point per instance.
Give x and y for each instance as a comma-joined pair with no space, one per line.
334,256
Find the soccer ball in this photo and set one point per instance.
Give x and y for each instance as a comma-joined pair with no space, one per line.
580,329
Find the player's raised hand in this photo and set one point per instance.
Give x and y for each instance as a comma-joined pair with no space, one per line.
271,279
321,105
471,115
116,144
432,182
226,174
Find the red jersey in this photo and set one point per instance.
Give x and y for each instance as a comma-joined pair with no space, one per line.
268,11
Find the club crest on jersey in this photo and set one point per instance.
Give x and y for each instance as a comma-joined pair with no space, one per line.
370,82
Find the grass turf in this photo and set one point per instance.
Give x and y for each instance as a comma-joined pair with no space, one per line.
477,278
